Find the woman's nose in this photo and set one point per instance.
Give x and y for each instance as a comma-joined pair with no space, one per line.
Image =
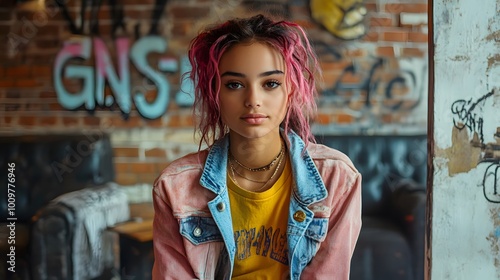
253,97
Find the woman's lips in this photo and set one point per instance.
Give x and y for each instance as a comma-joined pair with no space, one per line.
254,118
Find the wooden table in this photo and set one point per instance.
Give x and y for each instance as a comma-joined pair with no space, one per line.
136,244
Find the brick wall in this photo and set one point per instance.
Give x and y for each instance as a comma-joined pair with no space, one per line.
373,84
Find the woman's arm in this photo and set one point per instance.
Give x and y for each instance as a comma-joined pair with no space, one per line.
169,252
333,258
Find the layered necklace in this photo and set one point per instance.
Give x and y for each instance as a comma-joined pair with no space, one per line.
278,160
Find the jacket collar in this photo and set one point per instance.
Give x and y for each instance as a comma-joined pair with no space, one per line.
308,185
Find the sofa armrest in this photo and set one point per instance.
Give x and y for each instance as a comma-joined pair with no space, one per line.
408,206
70,238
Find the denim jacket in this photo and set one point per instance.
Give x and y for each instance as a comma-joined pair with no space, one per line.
192,229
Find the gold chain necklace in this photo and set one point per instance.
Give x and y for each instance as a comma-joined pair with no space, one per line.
262,168
243,176
231,167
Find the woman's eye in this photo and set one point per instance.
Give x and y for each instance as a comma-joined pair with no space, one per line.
272,84
233,85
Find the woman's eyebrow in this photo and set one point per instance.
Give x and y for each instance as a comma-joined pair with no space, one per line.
241,75
269,73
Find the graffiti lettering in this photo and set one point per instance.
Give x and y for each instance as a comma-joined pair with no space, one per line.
491,181
466,117
93,80
345,93
116,15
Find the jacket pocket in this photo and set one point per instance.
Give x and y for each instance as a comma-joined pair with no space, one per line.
317,229
199,230
308,246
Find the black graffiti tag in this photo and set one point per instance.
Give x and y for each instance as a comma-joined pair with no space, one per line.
467,117
491,180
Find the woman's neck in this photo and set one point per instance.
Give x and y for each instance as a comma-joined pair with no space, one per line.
255,153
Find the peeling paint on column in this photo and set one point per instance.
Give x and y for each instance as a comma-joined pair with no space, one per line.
494,59
461,156
494,237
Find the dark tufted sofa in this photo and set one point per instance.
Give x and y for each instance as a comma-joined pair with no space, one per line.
61,183
394,168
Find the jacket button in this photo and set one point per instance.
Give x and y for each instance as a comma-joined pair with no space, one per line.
197,232
299,216
221,206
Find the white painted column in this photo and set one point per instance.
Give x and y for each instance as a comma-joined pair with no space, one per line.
464,206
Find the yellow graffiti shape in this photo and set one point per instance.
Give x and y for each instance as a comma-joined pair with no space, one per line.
342,18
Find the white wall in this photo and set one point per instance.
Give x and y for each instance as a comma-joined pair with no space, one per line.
465,210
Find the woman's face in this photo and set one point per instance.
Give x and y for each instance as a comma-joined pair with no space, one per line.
253,94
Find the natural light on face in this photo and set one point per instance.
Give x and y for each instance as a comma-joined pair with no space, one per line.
253,95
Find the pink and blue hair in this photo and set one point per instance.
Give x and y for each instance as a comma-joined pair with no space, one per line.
287,38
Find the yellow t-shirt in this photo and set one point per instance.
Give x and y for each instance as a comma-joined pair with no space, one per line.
260,222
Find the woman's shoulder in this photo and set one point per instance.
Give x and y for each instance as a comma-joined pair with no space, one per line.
188,163
320,152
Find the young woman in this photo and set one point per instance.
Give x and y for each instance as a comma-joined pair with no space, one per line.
263,201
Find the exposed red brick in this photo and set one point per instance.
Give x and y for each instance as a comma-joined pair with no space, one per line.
154,123
142,167
188,120
126,179
331,77
91,121
418,37
105,29
349,78
371,36
127,152
105,12
6,83
22,71
391,118
122,167
156,153
70,121
322,118
405,8
385,51
395,36
334,65
174,121
47,121
345,119
133,121
306,24
26,121
56,107
381,21
8,120
355,53
189,12
48,44
160,166
371,7
412,52
48,94
26,83
147,178
182,28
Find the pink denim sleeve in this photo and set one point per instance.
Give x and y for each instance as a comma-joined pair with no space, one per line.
333,259
169,252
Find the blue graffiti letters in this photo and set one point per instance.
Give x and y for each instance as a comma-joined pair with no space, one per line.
71,65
